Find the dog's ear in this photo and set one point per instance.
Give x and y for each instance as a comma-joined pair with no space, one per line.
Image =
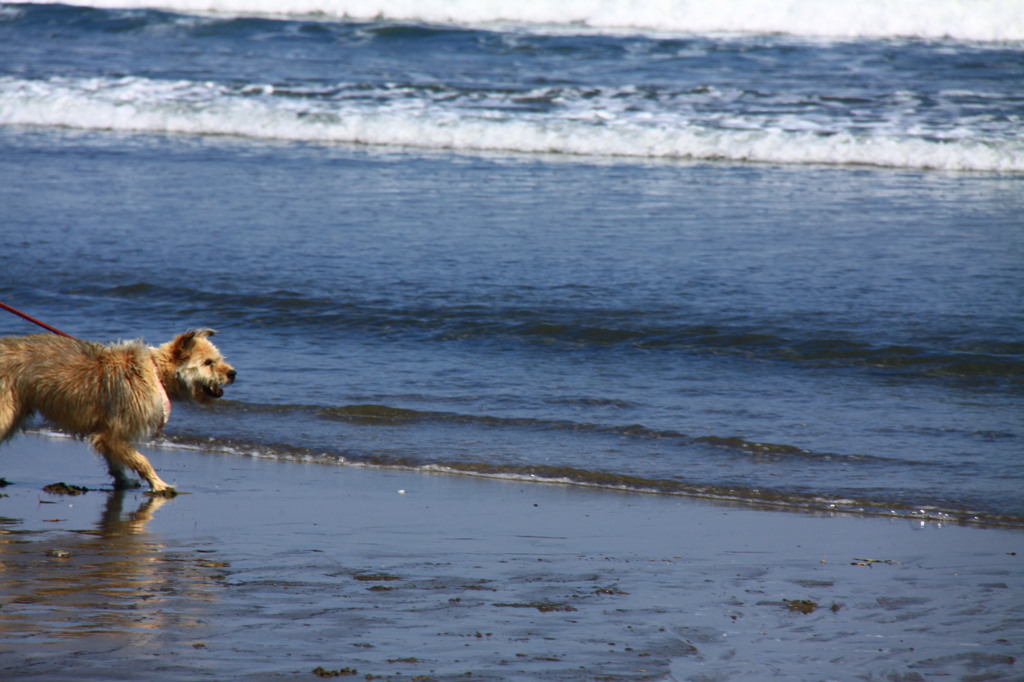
186,339
182,343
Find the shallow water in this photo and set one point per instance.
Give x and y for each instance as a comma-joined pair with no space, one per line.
833,337
540,251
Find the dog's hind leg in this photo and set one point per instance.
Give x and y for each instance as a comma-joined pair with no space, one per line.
122,481
120,455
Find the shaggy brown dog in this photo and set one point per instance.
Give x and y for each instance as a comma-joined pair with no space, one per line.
113,395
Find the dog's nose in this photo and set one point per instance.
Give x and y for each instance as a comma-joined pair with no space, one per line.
232,374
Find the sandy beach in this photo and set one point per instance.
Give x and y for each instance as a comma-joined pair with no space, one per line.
270,570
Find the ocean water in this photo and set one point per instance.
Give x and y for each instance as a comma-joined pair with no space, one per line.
716,249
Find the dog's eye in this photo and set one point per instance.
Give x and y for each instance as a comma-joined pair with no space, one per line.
208,363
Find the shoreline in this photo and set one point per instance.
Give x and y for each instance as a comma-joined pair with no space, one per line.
275,569
815,505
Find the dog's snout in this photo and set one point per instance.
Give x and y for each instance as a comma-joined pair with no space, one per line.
232,374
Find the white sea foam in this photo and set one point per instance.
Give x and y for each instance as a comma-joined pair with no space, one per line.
206,108
974,20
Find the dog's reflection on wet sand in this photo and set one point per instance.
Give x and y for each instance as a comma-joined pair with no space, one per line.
109,584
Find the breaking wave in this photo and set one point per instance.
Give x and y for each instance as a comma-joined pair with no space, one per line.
616,123
973,20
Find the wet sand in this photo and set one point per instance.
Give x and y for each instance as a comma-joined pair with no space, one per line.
285,570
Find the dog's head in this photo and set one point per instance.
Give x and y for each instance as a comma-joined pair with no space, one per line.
198,369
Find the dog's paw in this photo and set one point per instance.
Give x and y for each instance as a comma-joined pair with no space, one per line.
163,492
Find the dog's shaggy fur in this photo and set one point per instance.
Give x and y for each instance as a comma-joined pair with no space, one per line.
113,395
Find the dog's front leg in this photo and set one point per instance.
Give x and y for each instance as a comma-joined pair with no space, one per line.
121,455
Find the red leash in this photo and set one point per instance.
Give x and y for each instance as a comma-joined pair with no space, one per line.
32,319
